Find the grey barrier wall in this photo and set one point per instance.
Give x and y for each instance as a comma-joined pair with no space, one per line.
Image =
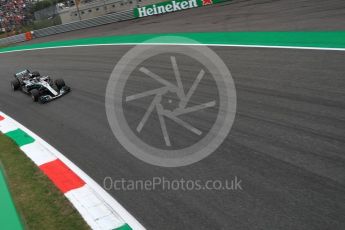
100,8
98,21
12,39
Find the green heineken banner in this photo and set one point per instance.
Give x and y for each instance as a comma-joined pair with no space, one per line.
172,6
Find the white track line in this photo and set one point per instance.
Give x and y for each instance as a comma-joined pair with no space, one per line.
182,44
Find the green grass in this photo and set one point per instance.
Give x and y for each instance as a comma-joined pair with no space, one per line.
40,203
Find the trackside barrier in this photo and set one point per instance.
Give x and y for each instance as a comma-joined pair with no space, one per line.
172,6
87,23
98,21
12,39
148,10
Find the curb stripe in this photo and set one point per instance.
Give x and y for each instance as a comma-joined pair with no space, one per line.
124,227
64,178
20,137
7,126
38,153
95,205
88,204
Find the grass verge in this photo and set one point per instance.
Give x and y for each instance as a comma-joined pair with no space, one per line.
40,203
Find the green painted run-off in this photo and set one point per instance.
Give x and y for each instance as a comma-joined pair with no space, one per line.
335,39
124,227
20,137
9,218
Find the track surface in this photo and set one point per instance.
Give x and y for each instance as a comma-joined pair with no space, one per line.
286,145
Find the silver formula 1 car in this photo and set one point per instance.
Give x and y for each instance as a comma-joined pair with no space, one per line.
41,88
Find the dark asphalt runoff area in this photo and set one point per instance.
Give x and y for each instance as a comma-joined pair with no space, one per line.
287,143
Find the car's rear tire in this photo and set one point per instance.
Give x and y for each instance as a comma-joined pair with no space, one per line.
35,94
60,83
15,84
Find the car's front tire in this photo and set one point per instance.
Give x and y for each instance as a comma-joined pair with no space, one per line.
15,84
35,94
60,83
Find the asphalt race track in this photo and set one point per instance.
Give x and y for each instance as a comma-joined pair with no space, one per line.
286,144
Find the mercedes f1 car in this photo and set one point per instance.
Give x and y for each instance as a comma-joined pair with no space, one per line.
41,88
